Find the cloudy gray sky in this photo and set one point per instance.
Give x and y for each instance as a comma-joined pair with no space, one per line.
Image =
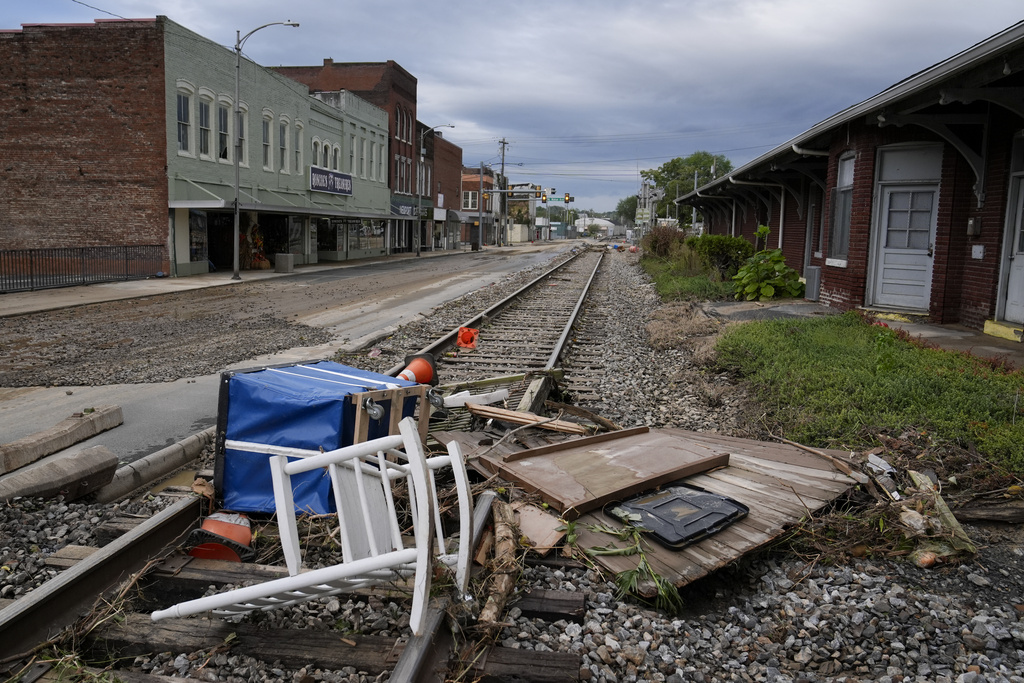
589,92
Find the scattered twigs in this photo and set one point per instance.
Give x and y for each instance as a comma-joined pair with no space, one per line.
840,465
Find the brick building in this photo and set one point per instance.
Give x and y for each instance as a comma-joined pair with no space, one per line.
446,189
910,201
120,134
393,89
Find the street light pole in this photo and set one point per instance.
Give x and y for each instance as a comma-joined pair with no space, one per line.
239,41
419,178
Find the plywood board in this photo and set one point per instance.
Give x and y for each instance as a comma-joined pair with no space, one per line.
580,478
781,484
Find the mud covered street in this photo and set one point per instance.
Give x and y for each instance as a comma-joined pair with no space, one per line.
199,332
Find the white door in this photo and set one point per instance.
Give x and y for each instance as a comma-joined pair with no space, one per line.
903,271
1014,311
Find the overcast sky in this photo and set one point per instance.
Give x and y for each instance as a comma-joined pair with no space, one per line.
589,92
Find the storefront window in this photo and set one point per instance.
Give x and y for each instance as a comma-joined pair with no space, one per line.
198,245
366,234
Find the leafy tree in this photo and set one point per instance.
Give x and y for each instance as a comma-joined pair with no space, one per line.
625,212
676,176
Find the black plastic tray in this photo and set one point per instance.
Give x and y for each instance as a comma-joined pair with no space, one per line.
678,516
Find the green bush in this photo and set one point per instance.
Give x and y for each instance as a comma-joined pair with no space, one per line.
765,275
721,253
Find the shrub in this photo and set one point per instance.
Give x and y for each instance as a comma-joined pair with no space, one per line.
765,275
661,241
721,253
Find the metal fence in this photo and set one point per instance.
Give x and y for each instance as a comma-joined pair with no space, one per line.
28,269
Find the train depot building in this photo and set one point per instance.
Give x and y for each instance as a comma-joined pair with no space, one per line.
911,201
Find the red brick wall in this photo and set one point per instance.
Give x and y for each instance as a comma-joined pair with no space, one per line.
385,84
448,172
83,144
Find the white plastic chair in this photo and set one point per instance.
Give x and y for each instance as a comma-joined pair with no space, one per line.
363,478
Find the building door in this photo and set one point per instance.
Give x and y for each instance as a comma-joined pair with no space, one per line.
903,273
1014,309
903,234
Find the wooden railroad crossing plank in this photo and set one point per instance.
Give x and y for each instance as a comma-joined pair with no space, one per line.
577,479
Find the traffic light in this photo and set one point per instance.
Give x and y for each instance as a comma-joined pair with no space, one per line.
566,197
487,195
536,193
544,197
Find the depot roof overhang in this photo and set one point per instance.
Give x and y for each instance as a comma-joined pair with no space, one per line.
1004,49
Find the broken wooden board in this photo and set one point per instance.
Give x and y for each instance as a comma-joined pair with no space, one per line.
780,484
574,478
521,418
542,529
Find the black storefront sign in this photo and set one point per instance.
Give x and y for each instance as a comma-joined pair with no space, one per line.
322,180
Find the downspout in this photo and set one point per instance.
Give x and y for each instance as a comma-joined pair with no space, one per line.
803,151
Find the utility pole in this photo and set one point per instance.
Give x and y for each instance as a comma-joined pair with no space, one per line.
503,199
480,210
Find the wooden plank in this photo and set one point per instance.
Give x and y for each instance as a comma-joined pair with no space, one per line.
69,556
576,480
766,450
507,664
553,605
821,489
518,417
585,441
810,496
539,526
136,635
833,481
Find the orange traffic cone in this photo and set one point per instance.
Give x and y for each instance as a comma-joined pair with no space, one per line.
420,368
467,338
223,536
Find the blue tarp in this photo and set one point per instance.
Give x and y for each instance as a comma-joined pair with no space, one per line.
298,406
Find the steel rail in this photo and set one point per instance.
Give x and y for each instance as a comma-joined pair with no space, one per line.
38,616
563,340
447,341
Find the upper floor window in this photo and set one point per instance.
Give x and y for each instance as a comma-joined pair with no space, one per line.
205,127
362,158
334,163
184,121
469,200
298,148
316,151
352,154
243,144
282,146
266,143
223,134
842,209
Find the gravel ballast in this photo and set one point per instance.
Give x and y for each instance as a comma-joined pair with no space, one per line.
770,618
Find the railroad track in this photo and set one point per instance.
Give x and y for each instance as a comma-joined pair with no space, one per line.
522,340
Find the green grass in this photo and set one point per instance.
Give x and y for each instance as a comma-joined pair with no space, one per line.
680,280
839,382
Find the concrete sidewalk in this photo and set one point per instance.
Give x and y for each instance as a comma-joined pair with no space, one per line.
949,337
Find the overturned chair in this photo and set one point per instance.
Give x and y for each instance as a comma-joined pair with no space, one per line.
363,479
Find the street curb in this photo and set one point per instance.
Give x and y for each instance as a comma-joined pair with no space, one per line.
68,432
145,470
